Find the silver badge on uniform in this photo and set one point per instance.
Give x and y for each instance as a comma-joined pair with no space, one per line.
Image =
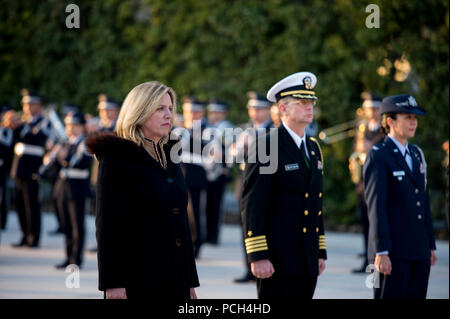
291,167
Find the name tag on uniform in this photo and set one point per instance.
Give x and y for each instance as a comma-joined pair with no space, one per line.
291,167
399,173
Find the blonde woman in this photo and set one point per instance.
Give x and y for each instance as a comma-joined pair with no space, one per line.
144,243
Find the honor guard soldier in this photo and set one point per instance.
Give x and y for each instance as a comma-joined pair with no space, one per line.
259,113
217,114
28,153
192,165
401,237
282,212
108,110
72,187
368,133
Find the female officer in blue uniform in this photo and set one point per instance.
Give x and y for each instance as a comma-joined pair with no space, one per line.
401,239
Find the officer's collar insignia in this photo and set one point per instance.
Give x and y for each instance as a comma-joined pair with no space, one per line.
307,82
412,101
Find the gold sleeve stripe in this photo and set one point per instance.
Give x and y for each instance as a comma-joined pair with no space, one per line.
255,238
254,250
256,242
255,246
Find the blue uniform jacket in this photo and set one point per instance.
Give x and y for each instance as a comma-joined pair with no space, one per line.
398,204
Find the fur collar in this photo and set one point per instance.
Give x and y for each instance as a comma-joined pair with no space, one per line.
109,144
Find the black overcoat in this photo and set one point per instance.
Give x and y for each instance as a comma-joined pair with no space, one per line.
143,236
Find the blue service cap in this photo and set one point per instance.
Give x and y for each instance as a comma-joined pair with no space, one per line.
192,104
74,118
31,97
216,105
371,100
67,107
404,103
107,102
257,100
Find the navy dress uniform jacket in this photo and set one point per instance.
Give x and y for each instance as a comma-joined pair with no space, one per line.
77,160
143,235
398,204
34,134
282,212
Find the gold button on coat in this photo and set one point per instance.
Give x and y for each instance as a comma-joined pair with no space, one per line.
320,213
304,230
306,195
306,213
317,229
320,195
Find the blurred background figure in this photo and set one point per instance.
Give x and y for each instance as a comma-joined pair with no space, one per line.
193,168
108,111
49,170
275,115
72,187
92,123
217,182
259,117
367,134
10,121
29,150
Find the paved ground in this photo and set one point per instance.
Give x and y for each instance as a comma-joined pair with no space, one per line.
26,273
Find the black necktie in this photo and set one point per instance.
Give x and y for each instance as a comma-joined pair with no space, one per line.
303,152
406,154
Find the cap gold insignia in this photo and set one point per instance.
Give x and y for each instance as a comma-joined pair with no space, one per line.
307,81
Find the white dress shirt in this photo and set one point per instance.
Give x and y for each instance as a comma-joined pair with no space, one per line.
403,150
297,139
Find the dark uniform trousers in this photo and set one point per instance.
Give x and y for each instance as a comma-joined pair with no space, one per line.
28,209
71,194
400,219
408,280
283,221
214,196
24,170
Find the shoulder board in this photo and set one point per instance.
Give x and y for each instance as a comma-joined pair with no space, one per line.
318,146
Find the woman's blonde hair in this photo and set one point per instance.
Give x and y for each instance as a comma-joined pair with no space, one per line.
142,101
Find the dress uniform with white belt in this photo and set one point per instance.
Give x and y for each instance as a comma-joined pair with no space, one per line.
400,224
28,154
282,212
220,172
196,176
72,189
